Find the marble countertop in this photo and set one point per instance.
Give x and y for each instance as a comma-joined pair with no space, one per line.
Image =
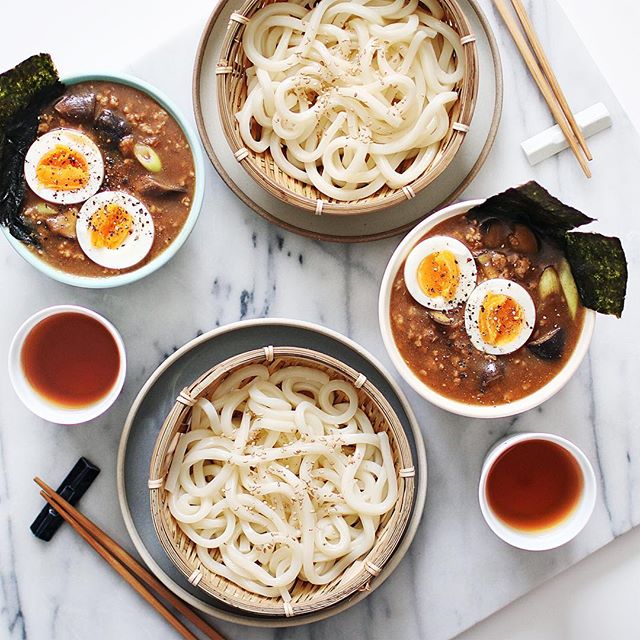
248,268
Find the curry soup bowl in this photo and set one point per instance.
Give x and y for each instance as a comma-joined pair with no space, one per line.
93,282
428,393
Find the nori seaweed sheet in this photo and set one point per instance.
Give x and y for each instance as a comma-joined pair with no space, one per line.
597,262
599,268
532,205
24,92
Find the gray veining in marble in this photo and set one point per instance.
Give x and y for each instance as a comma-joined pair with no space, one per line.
235,265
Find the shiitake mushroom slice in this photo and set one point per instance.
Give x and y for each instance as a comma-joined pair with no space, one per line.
492,370
494,232
498,233
152,186
77,106
112,125
550,346
442,318
523,239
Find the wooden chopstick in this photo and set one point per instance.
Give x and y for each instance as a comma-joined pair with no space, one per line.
125,565
128,577
541,81
536,45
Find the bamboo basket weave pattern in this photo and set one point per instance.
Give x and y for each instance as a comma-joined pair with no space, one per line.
305,597
232,93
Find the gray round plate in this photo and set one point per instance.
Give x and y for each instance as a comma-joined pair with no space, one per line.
154,401
365,227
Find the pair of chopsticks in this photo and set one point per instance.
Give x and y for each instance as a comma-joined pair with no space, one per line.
540,69
127,567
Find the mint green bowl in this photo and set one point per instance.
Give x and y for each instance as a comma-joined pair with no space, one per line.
164,257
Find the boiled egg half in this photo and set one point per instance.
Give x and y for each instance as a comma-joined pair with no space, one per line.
115,229
499,316
440,273
64,166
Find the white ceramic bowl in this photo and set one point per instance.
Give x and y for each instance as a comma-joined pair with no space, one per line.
454,406
554,536
37,403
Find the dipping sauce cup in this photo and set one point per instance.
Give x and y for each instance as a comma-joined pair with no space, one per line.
67,364
537,490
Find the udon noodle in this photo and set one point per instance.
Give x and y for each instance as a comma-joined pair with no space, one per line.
281,476
351,94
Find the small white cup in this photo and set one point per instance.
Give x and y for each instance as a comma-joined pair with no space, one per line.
37,403
566,529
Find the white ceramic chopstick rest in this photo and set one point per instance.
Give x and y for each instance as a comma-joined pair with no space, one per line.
551,141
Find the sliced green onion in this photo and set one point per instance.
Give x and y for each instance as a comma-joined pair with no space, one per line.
569,287
147,157
45,210
549,283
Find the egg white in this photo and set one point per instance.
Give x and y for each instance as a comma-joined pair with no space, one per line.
466,263
134,248
77,141
472,313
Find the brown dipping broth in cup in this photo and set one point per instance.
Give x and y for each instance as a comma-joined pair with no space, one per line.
534,485
71,359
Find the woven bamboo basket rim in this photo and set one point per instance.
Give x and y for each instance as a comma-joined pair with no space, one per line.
305,598
231,93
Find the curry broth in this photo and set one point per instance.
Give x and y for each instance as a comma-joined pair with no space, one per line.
443,356
149,124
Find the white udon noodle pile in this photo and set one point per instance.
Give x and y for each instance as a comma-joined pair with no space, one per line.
347,92
278,479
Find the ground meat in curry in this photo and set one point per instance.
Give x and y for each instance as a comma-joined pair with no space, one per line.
436,346
120,116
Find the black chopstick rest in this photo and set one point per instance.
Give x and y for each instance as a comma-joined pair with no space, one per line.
73,487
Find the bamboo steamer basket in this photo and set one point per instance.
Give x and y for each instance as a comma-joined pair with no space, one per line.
305,597
232,93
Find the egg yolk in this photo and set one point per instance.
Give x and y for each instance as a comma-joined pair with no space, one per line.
63,169
439,275
110,226
500,319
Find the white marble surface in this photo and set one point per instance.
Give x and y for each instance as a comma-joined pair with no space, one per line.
458,572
